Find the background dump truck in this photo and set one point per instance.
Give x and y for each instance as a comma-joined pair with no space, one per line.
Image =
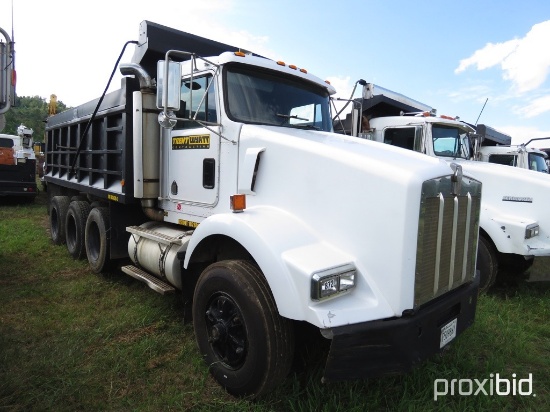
217,173
496,147
18,165
514,221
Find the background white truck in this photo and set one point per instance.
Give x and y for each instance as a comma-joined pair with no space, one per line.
246,202
514,222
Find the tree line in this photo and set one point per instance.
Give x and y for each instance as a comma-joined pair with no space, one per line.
32,112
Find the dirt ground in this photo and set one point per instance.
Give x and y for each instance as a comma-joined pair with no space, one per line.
540,271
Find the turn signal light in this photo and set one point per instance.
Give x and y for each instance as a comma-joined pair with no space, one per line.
238,203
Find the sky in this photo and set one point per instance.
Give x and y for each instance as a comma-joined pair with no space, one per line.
484,59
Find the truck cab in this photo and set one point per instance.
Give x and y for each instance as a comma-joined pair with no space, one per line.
496,147
516,156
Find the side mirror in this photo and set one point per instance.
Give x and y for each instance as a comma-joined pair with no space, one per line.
168,85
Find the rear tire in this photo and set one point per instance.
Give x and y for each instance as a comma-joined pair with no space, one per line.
75,228
58,214
246,343
487,264
97,239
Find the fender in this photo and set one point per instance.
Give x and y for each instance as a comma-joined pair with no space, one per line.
286,250
508,234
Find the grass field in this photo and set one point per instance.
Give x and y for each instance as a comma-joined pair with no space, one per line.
71,340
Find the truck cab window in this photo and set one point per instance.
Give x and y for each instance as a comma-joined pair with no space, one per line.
537,163
450,141
194,102
263,97
400,137
503,159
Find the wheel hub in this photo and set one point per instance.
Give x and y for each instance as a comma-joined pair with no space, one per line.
226,331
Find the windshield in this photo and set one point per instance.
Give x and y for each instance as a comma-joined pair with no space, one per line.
450,141
537,162
270,98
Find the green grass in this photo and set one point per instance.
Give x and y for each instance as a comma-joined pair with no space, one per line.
73,340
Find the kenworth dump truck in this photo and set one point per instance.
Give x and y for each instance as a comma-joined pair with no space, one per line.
18,165
496,147
514,221
217,173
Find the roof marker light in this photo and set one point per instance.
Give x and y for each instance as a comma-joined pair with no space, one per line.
281,63
303,70
239,54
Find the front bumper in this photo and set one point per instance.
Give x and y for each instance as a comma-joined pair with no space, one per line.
391,346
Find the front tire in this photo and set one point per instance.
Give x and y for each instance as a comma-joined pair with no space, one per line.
247,344
487,264
97,239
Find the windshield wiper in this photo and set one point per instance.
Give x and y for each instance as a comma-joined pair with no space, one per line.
305,126
298,126
291,116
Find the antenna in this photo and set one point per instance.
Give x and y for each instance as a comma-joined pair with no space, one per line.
481,110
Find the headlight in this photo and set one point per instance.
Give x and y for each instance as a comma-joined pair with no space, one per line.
332,282
531,231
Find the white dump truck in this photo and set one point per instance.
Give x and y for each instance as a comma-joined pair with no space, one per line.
218,174
514,223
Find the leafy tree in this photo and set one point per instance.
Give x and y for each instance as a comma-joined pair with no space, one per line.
32,112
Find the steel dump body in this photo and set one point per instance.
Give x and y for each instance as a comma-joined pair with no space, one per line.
103,166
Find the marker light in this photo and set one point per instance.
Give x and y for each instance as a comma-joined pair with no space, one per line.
332,282
238,203
292,66
240,54
281,63
531,231
303,70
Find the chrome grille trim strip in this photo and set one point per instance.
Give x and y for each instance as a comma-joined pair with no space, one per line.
453,242
439,237
467,237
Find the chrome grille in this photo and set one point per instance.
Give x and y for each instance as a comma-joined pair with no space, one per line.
447,237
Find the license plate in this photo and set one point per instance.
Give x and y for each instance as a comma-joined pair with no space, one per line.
448,333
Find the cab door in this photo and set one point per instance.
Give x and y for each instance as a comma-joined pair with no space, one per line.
194,149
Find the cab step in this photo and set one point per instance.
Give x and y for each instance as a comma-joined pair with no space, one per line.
156,236
153,282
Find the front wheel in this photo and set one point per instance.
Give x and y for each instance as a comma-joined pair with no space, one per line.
247,344
487,264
